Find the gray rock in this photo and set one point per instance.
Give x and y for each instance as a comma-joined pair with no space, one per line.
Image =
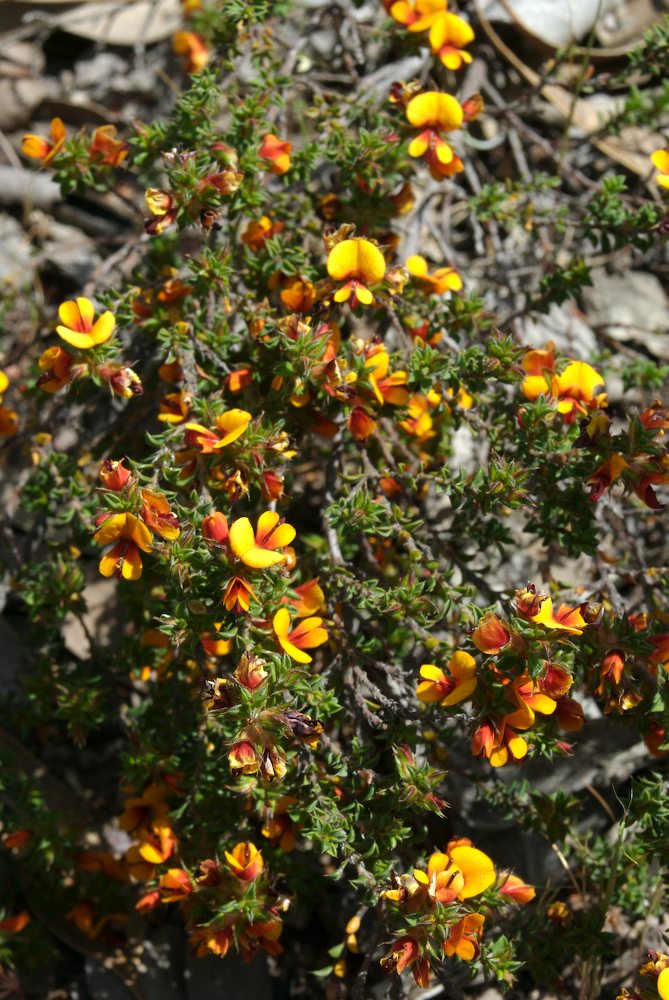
212,978
16,258
630,307
70,252
566,327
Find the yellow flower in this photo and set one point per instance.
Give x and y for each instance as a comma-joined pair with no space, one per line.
43,149
434,113
124,535
78,328
444,279
258,550
307,635
358,263
229,426
448,690
660,159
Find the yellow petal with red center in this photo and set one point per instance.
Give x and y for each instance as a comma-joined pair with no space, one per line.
418,146
427,11
125,526
272,537
103,328
477,869
663,984
571,619
534,386
579,380
243,544
232,425
428,691
77,315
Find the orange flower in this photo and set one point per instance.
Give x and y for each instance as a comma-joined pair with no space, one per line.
559,913
215,647
15,924
464,937
434,113
310,599
402,955
259,550
660,160
358,263
498,742
448,690
78,328
663,978
279,828
263,934
106,148
175,885
238,380
299,295
139,811
157,843
276,152
162,207
174,407
387,388
245,861
16,839
43,149
416,15
444,279
238,594
157,514
569,715
307,635
123,535
606,475
193,48
491,635
360,424
525,693
114,474
230,425
56,367
517,890
215,528
569,620
259,231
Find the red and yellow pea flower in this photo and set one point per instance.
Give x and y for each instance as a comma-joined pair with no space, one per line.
42,149
464,937
106,148
123,536
387,388
308,634
114,474
298,294
573,391
452,688
516,890
263,934
259,231
433,113
276,153
360,265
238,595
258,549
539,609
460,873
279,828
174,407
245,861
163,209
156,843
58,369
175,885
444,279
498,742
309,599
229,426
157,514
491,635
193,49
79,327
250,672
529,699
243,757
405,953
16,923
660,160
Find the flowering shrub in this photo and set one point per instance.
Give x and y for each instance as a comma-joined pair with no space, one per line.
273,493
